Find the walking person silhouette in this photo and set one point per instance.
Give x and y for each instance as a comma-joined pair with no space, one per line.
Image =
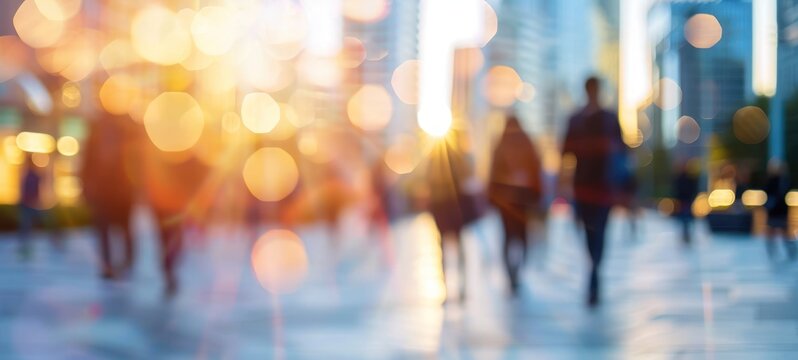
514,190
594,141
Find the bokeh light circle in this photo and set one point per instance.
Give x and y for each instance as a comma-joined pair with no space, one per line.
365,11
703,31
751,125
526,93
491,23
159,36
58,10
14,59
285,128
322,72
34,28
402,156
117,54
117,94
353,52
259,112
370,108
669,94
270,174
214,29
501,86
279,261
405,81
174,121
688,130
285,29
469,62
74,58
68,146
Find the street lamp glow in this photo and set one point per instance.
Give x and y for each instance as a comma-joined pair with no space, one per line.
435,121
633,87
765,41
445,25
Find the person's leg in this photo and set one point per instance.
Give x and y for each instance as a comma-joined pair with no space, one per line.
129,245
25,231
770,243
792,247
789,244
685,220
171,246
103,229
595,225
507,249
461,262
514,244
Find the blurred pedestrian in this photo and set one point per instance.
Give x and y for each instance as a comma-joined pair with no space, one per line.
685,189
777,187
173,182
108,189
452,199
30,203
515,188
594,141
631,202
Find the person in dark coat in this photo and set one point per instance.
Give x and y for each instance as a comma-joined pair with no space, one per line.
777,187
174,185
594,141
108,188
685,188
450,204
29,203
515,187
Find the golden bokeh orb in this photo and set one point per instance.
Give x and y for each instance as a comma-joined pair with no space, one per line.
118,94
68,146
215,30
703,31
14,59
668,94
751,125
174,121
58,10
688,130
405,81
366,11
159,36
34,28
270,174
370,108
279,261
501,86
260,112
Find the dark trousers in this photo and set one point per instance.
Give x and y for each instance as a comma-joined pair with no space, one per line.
594,218
514,221
171,246
104,227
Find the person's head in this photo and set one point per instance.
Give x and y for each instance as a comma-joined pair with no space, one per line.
593,90
512,123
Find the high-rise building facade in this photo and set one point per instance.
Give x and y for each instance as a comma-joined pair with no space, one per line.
714,82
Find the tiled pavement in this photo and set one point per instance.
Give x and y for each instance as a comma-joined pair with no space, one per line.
719,299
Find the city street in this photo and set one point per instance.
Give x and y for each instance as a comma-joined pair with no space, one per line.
720,299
